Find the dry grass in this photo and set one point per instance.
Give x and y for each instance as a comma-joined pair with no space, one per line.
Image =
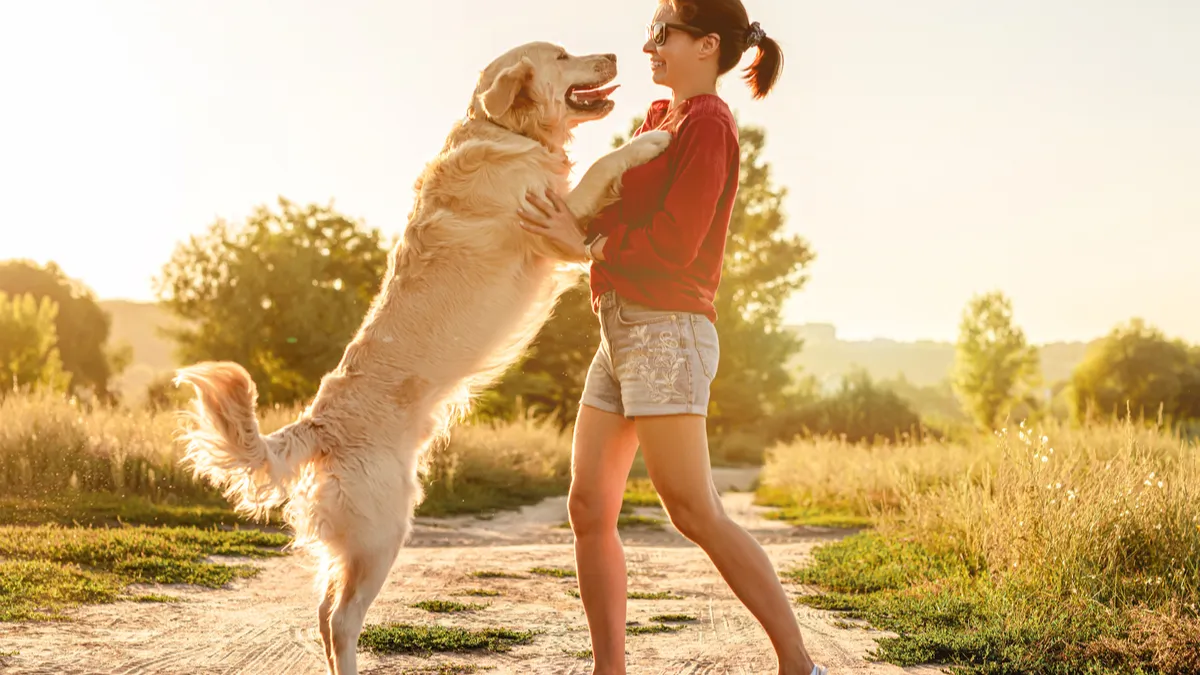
1034,551
57,450
1107,513
834,479
51,446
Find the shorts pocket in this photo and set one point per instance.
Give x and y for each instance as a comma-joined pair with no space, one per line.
633,314
706,343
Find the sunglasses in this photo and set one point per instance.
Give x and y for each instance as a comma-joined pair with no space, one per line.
657,31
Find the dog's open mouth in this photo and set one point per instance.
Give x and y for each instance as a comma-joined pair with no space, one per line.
589,97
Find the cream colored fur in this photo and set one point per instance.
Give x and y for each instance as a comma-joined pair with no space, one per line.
465,292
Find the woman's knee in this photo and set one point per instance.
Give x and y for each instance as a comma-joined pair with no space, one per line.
695,517
591,511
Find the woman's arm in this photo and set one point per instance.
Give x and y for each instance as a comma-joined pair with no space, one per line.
672,239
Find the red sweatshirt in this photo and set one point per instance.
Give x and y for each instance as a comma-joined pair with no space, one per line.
666,236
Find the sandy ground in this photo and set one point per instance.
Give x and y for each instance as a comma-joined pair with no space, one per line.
266,625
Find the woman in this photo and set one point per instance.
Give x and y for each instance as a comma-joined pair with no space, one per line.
657,258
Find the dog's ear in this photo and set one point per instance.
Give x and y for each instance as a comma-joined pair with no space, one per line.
506,88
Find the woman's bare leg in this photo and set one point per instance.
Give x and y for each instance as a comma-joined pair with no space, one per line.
604,446
676,451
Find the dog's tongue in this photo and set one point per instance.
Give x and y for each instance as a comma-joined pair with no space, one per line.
594,94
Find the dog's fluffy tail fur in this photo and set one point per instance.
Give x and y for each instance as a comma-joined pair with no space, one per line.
223,442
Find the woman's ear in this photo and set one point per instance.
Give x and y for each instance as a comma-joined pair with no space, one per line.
710,45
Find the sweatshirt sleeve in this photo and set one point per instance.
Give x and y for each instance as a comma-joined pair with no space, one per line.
672,239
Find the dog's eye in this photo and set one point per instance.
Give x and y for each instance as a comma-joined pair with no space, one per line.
564,56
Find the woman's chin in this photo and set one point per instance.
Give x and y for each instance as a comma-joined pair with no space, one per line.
659,76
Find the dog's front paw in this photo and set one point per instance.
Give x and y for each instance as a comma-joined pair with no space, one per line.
647,146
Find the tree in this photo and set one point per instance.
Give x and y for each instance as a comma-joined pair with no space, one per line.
860,410
81,325
282,294
762,267
992,362
1135,365
29,356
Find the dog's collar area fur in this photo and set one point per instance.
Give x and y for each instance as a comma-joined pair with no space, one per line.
491,121
472,116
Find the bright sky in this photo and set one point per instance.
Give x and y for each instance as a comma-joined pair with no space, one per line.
931,149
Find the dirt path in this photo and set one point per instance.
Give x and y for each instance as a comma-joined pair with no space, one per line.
266,625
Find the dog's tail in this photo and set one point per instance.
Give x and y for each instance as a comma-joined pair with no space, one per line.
223,442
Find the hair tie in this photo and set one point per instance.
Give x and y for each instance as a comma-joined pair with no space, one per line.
754,35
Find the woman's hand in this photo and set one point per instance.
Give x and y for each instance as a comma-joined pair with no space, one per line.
553,220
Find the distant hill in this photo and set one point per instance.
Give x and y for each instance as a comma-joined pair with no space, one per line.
923,363
138,323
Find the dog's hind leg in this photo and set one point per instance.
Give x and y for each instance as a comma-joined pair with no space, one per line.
324,611
362,576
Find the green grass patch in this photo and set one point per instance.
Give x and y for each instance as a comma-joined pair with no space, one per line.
788,509
33,590
640,492
447,606
653,595
672,618
106,510
946,610
411,639
812,517
651,629
447,669
155,597
495,574
484,501
870,562
480,592
579,653
559,572
49,568
626,522
637,595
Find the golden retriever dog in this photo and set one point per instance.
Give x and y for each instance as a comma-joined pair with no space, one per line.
465,292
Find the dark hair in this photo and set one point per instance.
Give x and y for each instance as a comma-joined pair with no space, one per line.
729,19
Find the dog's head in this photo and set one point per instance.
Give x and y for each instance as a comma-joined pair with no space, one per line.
542,91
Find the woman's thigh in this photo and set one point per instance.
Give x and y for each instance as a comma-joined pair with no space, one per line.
602,453
675,448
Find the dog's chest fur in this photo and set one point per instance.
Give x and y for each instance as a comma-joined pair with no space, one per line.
466,290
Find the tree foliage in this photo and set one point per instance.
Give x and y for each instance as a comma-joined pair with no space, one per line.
81,326
763,266
29,355
860,410
1136,369
994,367
281,293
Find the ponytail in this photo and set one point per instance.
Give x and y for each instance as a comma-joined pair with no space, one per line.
764,72
729,19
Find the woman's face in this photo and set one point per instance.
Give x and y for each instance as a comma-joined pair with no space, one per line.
673,61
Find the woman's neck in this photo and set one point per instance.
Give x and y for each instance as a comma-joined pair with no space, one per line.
681,94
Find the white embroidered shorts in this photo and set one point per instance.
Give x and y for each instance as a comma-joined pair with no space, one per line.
651,361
